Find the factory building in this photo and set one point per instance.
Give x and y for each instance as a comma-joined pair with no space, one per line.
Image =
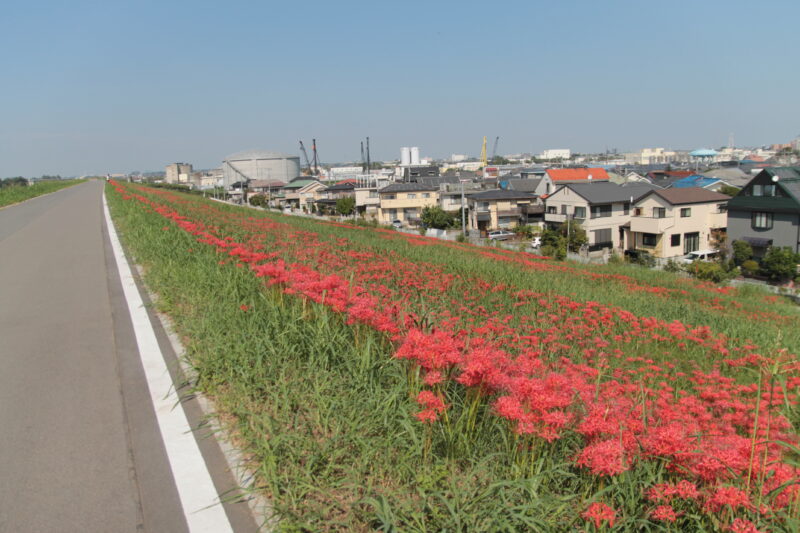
260,165
178,173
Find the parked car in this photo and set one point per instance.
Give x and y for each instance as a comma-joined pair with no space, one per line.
700,255
397,224
500,235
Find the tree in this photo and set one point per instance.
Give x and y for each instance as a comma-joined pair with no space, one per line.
742,251
345,206
574,234
719,242
258,200
780,263
434,216
730,190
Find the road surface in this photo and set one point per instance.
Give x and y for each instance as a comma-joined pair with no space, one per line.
80,444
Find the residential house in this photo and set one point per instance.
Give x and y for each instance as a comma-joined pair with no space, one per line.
553,178
451,194
665,178
269,188
300,193
405,202
326,198
501,208
602,209
698,180
766,212
673,222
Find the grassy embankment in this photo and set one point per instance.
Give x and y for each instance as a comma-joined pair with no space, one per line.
16,193
326,411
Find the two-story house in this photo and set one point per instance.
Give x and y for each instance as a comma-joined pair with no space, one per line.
327,197
673,222
602,209
501,208
766,212
300,193
405,202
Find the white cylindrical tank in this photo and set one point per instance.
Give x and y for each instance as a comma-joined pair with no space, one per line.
405,156
415,155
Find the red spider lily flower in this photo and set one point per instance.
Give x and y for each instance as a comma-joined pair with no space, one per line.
244,307
740,525
606,458
664,513
599,513
723,497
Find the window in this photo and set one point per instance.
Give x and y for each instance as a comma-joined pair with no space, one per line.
411,196
551,209
649,239
686,212
373,194
600,211
769,190
626,208
580,212
426,195
691,242
563,209
390,197
659,212
758,190
484,206
722,208
675,239
761,220
637,211
393,214
603,236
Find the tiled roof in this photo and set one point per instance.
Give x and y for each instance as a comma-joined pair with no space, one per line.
607,192
689,195
502,194
408,187
577,174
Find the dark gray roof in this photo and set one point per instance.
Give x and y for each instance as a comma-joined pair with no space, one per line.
789,178
688,195
502,194
605,192
349,186
525,185
408,187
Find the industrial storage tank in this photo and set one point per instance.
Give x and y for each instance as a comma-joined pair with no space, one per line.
405,156
260,165
415,155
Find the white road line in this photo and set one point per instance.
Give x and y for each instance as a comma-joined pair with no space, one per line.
201,506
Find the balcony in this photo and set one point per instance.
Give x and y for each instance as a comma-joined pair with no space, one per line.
642,224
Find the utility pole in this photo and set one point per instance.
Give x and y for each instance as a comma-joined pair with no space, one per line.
463,210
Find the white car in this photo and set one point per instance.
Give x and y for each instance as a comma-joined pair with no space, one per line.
699,255
397,224
536,242
500,235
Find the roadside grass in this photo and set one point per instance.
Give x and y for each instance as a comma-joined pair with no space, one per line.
16,193
326,414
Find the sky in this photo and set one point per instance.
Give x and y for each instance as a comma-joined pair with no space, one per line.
108,86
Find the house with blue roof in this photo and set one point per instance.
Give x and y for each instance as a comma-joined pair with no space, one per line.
700,181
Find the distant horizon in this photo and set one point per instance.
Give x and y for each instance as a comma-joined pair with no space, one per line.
142,85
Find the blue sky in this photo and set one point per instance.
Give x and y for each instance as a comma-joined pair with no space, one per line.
95,87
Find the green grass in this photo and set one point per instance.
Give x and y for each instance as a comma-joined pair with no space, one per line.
325,413
16,194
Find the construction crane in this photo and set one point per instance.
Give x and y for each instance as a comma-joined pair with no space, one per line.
484,162
316,159
494,150
305,157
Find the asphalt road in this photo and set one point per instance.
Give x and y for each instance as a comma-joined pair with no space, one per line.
80,447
